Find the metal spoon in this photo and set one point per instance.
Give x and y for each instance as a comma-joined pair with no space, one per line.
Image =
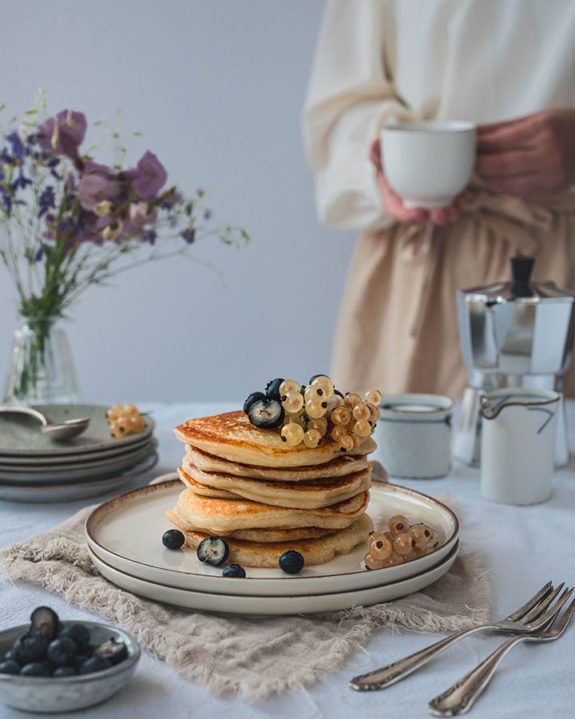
58,431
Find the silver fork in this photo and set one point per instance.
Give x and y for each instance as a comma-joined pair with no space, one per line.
533,615
459,698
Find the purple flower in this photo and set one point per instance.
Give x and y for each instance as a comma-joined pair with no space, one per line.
170,198
142,214
63,134
92,226
20,181
98,186
150,236
189,235
18,149
47,200
148,177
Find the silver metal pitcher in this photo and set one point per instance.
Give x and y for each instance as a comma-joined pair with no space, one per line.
513,334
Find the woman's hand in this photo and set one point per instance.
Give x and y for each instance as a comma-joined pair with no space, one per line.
394,204
530,157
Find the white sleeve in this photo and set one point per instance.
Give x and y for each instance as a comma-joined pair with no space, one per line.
350,96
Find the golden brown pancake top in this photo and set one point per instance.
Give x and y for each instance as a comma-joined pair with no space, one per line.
232,436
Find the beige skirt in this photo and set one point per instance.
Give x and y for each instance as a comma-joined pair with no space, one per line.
398,329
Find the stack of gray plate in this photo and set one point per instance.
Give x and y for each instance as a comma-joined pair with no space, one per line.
34,468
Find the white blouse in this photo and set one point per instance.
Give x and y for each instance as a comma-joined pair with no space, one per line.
480,60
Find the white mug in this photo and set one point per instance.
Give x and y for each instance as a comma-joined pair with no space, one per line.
518,428
413,435
428,163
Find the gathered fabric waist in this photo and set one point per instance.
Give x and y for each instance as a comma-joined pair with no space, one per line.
520,225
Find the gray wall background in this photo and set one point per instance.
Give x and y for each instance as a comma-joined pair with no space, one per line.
217,89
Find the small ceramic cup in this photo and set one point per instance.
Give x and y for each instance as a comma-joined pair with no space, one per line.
413,435
518,428
428,163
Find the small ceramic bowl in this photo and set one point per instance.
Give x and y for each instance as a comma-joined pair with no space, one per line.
64,694
428,163
413,435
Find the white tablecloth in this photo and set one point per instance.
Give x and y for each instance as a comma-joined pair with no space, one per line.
524,547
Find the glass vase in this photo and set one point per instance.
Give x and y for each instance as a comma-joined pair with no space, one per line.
41,369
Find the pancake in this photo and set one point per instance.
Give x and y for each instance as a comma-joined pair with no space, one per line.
314,551
280,535
222,516
204,490
341,466
303,495
232,436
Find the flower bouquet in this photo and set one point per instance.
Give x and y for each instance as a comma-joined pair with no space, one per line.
68,222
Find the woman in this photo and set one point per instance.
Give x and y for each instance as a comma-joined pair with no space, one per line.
507,65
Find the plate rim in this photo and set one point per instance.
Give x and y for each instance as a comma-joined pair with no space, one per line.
90,528
130,473
442,567
72,471
15,461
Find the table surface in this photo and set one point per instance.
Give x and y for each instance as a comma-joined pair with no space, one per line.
523,546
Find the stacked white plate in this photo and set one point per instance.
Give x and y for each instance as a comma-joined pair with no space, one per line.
124,537
34,468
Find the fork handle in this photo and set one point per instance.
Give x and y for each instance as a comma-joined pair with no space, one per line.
384,677
460,697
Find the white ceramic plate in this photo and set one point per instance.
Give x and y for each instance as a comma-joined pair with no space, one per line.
97,469
21,436
30,492
272,605
126,533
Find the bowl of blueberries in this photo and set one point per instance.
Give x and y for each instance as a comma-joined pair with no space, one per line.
57,666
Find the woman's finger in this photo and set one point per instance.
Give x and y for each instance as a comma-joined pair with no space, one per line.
520,136
527,187
491,127
443,215
375,154
512,163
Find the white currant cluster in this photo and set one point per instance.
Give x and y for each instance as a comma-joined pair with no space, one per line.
125,420
317,411
400,543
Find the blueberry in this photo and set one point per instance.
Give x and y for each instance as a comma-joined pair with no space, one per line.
79,660
273,388
291,562
266,413
45,623
95,664
35,669
234,570
213,550
9,655
61,651
173,539
253,397
113,650
29,649
9,666
79,634
64,672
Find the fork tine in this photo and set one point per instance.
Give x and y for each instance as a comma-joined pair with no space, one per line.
552,612
562,623
538,610
528,606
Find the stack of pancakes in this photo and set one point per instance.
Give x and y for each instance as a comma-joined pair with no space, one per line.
245,485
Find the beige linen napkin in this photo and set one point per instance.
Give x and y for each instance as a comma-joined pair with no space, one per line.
252,657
